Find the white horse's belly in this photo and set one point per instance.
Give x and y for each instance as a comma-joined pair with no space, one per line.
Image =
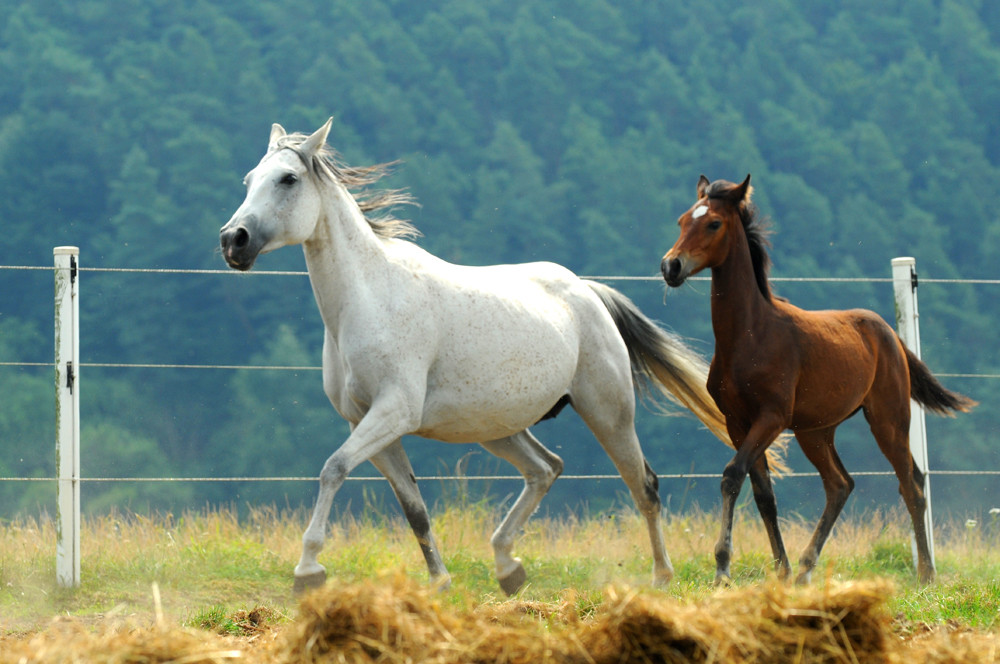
454,416
490,393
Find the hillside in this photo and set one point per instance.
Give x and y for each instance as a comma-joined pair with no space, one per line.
565,131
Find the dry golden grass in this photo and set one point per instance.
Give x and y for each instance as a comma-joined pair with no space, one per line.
587,598
394,619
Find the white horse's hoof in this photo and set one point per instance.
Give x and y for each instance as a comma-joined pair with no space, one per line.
309,582
662,578
511,583
442,583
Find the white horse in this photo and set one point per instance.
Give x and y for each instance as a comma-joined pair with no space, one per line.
416,345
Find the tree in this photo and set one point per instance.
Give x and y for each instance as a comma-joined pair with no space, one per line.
565,131
279,422
517,213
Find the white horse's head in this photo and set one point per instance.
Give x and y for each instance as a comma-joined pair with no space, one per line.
282,205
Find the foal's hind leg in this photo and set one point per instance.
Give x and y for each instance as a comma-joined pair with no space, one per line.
838,484
893,437
393,463
540,468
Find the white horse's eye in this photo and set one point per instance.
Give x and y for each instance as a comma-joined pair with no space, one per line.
289,179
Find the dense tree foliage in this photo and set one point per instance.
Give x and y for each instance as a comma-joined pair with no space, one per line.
549,130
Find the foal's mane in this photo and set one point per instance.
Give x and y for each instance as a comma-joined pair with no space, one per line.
375,204
756,228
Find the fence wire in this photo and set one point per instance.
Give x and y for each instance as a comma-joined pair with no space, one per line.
301,273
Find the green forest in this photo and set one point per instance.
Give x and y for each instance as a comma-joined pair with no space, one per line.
571,132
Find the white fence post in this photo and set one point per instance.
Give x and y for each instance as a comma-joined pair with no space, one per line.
904,280
67,337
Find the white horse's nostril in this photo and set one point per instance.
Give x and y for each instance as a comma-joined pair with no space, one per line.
241,238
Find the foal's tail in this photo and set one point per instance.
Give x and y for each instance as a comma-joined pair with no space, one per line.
931,394
663,361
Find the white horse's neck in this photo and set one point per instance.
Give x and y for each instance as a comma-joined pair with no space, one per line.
342,255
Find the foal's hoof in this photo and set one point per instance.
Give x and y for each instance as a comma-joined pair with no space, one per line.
309,582
723,580
511,583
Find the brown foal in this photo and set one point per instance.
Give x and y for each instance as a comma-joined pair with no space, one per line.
778,367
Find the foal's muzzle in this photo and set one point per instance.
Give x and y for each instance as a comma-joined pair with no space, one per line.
673,271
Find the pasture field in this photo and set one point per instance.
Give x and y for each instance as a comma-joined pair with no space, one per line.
211,570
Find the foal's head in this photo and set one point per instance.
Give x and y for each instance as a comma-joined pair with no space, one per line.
707,228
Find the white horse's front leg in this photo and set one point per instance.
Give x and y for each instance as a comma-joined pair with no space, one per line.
309,573
379,428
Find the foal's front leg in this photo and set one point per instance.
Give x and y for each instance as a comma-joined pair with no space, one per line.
767,505
763,432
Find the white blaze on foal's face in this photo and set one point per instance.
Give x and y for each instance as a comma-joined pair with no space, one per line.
699,212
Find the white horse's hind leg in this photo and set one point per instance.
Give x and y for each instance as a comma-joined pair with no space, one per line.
540,468
393,463
644,487
618,438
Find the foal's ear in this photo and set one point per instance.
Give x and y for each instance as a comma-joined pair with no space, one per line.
311,145
277,132
702,187
743,191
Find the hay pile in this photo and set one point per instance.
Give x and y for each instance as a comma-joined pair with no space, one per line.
67,642
403,622
394,620
768,624
372,623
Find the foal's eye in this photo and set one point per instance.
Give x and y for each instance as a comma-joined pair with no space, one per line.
714,225
289,179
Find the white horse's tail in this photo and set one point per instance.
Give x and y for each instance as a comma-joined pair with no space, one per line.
662,361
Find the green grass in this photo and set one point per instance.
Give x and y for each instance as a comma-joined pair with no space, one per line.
211,567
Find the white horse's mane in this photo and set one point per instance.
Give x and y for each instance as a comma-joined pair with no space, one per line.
375,204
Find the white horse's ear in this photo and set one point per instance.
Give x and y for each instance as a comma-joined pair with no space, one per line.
311,145
277,132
